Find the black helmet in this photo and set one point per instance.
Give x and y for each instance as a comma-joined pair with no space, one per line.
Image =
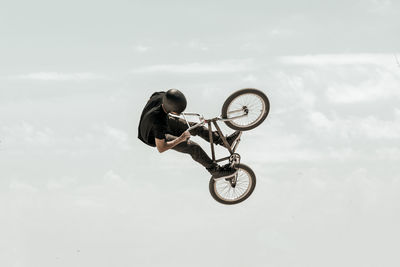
174,101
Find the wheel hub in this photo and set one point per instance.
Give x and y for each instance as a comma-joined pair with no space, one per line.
232,180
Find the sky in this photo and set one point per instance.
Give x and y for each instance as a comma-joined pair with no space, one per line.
77,188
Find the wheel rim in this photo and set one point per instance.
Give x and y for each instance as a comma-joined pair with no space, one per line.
225,191
250,102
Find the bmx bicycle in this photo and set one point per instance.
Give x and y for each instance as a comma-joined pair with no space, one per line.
243,110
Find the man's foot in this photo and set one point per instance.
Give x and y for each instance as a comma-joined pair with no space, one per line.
222,171
231,139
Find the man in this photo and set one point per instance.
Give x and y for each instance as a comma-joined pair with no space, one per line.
157,129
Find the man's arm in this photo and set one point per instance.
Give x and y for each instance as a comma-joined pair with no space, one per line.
164,146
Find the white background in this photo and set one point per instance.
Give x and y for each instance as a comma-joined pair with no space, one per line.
77,188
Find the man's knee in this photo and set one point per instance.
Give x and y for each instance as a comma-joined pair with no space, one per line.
192,144
187,146
194,148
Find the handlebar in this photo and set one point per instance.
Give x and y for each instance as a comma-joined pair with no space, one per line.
202,120
184,114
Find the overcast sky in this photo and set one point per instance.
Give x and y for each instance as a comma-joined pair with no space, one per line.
77,188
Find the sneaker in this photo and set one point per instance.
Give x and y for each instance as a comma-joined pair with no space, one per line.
226,166
222,172
231,139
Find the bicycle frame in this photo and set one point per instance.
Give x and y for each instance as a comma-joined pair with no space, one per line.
211,122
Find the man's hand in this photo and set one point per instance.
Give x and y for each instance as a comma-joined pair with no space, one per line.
162,145
184,136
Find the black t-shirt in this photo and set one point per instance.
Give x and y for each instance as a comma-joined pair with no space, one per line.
153,121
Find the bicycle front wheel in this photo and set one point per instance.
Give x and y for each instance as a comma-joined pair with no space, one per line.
227,191
247,108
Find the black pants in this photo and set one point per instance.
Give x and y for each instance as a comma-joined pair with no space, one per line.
177,126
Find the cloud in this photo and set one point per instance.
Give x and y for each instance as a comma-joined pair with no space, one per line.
250,78
21,187
319,120
382,7
61,183
198,45
344,78
119,136
297,93
57,76
346,93
379,129
376,84
285,147
112,179
196,67
339,59
368,127
111,191
25,135
280,32
141,48
388,153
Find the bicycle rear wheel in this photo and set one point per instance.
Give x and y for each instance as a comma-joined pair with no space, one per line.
249,107
226,192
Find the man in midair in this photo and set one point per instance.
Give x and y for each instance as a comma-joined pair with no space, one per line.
164,132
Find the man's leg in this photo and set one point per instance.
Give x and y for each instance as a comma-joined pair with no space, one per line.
194,150
178,126
198,154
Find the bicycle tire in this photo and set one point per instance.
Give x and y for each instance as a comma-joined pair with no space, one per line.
252,184
252,92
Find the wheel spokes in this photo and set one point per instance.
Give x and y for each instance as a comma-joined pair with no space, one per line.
252,103
226,191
